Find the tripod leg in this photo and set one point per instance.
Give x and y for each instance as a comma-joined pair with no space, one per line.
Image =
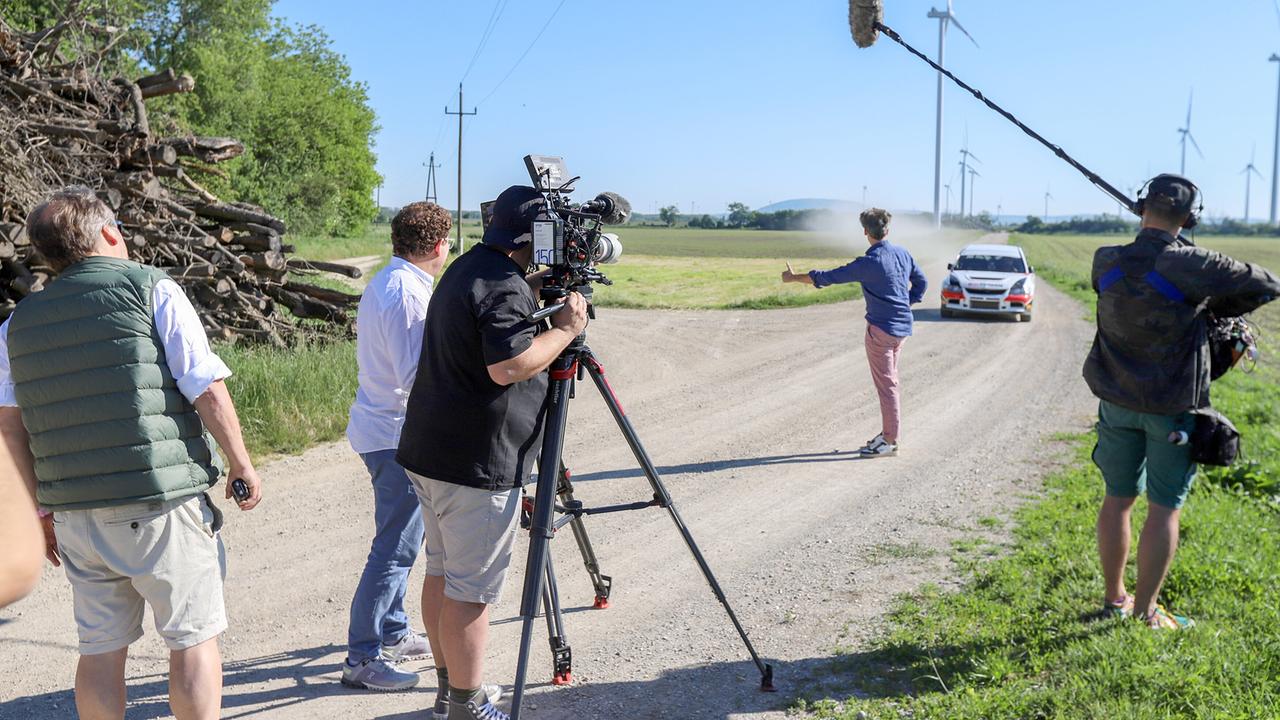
596,371
561,655
603,583
541,520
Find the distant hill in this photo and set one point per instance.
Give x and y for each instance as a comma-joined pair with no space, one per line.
812,204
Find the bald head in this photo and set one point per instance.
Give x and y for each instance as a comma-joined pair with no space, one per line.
70,226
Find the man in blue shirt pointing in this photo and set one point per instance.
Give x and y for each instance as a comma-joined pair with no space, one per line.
891,283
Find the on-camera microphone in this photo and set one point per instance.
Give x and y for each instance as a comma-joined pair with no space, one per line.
612,208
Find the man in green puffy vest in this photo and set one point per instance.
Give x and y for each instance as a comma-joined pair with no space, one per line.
109,395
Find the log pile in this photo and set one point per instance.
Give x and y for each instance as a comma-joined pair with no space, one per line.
62,123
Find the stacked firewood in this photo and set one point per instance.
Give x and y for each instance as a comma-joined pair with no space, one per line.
63,123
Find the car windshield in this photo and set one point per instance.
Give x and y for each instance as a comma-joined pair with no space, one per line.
991,263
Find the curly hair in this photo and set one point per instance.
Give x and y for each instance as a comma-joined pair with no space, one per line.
876,222
418,228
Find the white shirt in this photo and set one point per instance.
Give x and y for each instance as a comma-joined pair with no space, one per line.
194,365
389,325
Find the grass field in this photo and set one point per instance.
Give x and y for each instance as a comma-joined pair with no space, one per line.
1018,640
672,268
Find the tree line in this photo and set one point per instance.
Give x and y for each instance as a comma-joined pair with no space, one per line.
739,216
281,89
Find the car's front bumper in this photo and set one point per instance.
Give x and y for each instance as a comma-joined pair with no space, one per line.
989,304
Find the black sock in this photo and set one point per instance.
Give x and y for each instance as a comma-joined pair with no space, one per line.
462,696
442,684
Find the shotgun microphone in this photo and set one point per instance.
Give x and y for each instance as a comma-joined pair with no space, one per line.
612,208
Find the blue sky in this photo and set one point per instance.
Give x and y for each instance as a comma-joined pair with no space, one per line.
702,103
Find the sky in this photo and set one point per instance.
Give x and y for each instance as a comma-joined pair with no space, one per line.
699,103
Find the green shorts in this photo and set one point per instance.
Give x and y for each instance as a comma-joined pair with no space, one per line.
1134,452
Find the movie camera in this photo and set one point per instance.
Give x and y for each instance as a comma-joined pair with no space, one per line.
568,237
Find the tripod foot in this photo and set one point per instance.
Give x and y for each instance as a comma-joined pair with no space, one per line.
564,678
766,680
601,603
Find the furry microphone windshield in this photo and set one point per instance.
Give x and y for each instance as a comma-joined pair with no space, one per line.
866,23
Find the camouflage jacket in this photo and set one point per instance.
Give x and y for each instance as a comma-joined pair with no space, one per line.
1151,350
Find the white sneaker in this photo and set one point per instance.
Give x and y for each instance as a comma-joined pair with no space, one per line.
377,674
879,448
879,438
413,646
441,710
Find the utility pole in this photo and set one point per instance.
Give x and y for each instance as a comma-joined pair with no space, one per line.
460,113
1275,161
432,188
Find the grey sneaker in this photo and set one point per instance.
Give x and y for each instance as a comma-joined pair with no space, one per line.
476,711
492,693
377,674
413,646
879,448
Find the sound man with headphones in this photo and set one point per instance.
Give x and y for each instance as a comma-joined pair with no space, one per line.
1149,367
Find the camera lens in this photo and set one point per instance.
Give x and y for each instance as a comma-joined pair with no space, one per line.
608,249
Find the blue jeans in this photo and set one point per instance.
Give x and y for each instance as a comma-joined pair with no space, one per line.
377,611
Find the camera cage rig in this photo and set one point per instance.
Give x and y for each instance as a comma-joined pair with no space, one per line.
568,236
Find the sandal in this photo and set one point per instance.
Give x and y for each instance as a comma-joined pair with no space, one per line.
1162,619
1122,608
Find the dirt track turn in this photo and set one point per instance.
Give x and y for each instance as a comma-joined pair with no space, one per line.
751,417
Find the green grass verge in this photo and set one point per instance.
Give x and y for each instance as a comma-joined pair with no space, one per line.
1018,640
289,400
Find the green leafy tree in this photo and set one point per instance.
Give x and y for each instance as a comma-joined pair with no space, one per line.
669,215
740,215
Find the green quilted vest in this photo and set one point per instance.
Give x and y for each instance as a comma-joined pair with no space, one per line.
108,425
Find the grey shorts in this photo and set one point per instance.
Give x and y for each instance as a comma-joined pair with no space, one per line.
164,554
469,535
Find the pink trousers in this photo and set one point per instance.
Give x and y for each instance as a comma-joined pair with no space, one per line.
882,355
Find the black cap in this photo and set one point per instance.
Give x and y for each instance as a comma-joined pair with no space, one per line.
513,214
1175,190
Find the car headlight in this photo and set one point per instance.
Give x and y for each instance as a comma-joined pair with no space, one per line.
952,283
1019,288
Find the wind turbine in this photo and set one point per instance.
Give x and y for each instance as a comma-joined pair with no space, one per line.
973,174
944,18
1047,197
965,156
1186,135
1248,172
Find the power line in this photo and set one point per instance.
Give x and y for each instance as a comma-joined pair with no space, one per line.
496,14
523,54
460,113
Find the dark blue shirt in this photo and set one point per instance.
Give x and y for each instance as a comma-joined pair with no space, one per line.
891,284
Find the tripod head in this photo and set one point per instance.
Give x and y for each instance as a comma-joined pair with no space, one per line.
555,293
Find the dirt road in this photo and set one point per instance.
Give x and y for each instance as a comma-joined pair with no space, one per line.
751,418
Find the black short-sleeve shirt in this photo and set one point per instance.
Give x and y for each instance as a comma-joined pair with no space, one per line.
461,426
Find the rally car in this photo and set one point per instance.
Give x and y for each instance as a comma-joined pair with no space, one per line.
991,279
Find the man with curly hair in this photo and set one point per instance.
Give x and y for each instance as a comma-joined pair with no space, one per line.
891,283
389,328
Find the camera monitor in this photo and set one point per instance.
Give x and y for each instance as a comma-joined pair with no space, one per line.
486,213
547,172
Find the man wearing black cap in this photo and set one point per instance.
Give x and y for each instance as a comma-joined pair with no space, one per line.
1149,367
472,430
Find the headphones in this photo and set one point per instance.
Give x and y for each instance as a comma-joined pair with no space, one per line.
1173,187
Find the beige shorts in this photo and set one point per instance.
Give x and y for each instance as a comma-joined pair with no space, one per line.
165,554
469,535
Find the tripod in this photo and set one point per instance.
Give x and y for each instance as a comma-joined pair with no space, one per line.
553,482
